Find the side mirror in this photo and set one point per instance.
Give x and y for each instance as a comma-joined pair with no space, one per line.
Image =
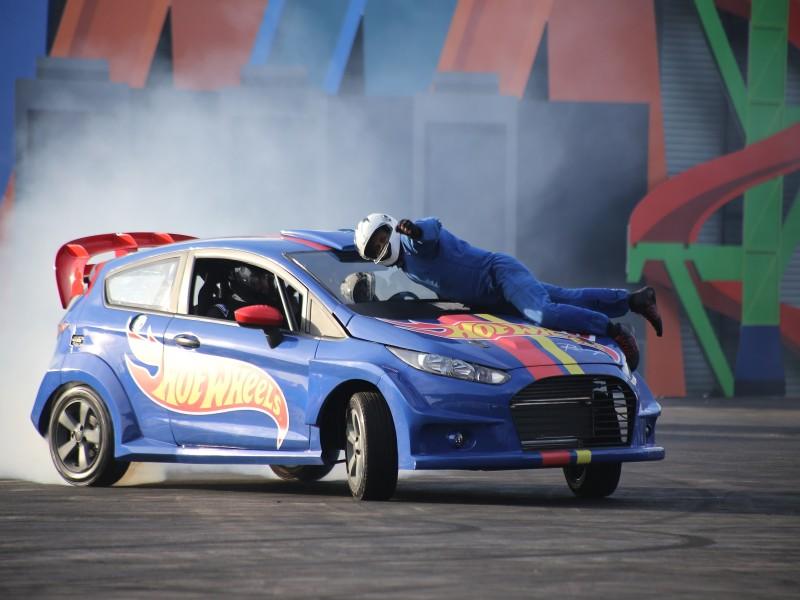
262,316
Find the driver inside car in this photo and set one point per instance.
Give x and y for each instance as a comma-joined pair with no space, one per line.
245,286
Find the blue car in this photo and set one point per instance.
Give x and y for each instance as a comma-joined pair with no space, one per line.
287,350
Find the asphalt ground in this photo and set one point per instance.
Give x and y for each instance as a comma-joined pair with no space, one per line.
720,517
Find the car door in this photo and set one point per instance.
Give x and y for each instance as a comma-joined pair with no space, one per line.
125,324
226,385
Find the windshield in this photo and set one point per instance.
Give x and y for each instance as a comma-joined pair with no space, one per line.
354,280
377,291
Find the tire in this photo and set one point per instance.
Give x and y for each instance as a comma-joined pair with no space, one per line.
304,473
370,447
593,481
81,439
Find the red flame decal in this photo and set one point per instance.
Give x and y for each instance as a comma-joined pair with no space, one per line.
197,384
496,329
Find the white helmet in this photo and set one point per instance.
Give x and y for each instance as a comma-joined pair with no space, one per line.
367,227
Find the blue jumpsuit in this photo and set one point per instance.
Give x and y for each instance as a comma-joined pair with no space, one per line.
458,271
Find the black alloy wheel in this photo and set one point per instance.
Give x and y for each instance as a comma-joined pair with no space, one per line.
81,439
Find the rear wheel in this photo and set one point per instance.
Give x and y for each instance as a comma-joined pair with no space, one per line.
81,439
301,472
593,481
370,447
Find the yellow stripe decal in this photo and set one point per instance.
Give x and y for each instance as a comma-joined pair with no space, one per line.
491,318
567,361
545,342
584,457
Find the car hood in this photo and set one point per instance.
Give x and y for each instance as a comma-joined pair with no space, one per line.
498,341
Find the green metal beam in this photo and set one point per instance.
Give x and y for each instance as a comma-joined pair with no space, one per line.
767,242
763,204
718,263
691,301
723,54
714,263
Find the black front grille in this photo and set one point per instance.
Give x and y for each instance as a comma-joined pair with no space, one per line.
574,411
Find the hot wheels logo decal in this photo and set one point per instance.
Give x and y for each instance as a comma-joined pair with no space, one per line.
197,384
492,328
479,330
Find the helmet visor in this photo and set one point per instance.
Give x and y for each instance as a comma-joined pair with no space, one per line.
378,245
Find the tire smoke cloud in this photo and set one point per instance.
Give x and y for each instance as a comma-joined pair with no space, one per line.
271,154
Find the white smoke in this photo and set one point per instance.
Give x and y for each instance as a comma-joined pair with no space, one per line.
241,161
174,163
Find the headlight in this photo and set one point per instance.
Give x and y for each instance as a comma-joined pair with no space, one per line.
449,367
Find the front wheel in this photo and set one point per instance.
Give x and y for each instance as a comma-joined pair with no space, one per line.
593,481
370,447
81,439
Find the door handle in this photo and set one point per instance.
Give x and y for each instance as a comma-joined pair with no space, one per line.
187,340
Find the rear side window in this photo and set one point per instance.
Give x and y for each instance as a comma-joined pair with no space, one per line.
143,286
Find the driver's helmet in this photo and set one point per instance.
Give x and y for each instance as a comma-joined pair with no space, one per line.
367,228
251,285
358,287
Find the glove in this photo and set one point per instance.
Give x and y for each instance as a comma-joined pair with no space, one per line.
407,227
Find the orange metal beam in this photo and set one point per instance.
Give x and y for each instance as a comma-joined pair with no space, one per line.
499,36
606,51
212,41
122,32
664,368
76,15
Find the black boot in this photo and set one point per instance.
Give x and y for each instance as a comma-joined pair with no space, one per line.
643,302
623,335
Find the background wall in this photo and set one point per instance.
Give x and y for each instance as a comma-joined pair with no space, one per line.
605,143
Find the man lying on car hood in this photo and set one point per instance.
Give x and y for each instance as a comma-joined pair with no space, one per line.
432,256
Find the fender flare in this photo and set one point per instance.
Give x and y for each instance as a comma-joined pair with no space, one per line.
93,371
327,377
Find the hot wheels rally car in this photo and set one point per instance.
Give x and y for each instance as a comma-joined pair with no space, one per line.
259,351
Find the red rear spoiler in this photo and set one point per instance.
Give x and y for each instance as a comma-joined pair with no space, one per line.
72,258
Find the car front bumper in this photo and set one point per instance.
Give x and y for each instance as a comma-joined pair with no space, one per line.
465,426
542,459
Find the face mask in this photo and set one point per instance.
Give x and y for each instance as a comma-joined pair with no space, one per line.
380,254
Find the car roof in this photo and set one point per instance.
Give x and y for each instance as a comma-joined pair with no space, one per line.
272,246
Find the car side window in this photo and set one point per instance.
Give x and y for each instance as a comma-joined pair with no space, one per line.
220,286
143,286
210,294
294,303
321,323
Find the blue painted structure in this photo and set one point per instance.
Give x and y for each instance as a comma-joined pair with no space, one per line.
23,35
759,362
403,40
317,35
344,45
266,33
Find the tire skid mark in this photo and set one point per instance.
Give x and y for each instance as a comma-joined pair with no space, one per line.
425,528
